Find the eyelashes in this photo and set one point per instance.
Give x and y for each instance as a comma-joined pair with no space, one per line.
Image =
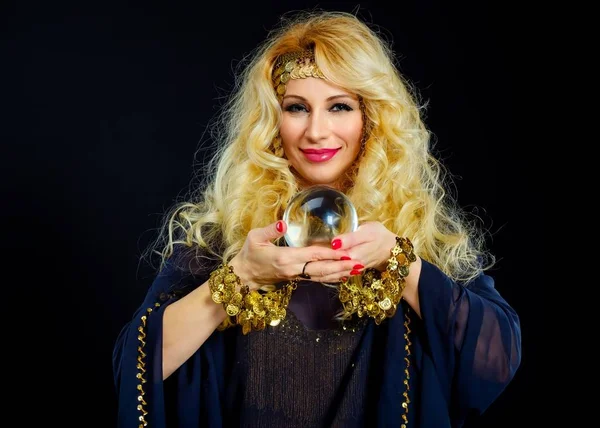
298,107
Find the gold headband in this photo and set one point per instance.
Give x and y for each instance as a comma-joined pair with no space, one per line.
294,65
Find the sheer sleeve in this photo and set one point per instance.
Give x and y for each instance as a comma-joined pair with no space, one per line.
473,335
137,353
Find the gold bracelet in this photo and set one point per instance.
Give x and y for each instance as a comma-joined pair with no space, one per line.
377,294
260,310
252,310
225,288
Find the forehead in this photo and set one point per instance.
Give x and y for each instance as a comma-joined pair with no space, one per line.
315,88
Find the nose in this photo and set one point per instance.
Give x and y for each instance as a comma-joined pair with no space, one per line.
317,127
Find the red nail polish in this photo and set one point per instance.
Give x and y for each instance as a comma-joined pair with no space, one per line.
279,226
336,243
344,278
358,266
345,258
354,272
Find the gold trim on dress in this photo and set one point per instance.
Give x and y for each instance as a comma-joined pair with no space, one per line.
141,366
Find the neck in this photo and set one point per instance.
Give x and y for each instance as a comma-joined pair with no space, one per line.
342,184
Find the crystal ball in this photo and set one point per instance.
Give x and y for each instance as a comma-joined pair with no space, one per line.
318,214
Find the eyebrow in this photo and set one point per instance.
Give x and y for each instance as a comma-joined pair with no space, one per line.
333,97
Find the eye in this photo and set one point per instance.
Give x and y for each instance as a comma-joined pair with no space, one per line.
295,108
341,107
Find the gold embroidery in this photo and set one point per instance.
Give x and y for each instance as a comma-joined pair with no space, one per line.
141,366
406,401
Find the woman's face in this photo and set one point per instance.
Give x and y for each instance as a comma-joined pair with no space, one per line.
321,130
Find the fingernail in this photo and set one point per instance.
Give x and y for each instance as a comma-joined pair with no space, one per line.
336,243
344,278
358,266
345,258
354,272
279,226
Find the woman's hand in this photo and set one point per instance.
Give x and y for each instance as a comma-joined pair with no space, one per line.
371,242
261,262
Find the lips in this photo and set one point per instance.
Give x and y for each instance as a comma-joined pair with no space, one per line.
319,155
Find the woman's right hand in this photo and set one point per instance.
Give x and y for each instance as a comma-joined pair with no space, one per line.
261,262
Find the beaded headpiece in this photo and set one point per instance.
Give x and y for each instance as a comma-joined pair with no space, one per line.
294,65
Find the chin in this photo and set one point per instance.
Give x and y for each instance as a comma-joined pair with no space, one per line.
322,180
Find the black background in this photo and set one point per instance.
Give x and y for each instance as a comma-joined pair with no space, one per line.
107,105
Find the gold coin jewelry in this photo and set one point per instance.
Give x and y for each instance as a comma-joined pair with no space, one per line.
377,294
294,65
252,310
225,288
260,310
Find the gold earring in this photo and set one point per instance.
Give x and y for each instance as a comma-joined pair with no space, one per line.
276,146
366,128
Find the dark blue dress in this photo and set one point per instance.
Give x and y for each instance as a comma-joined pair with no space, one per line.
463,353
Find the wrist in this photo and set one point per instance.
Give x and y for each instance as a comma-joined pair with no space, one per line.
240,270
243,306
388,243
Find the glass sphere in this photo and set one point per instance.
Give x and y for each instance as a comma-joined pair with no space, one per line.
317,215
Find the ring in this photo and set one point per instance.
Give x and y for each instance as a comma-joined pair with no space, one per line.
303,274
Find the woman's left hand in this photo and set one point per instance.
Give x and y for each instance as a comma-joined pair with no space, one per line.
371,243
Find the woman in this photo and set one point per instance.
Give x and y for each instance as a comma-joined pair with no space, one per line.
239,329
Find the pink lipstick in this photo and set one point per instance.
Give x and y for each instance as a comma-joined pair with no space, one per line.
319,155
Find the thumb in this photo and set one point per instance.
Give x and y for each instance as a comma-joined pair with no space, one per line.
274,230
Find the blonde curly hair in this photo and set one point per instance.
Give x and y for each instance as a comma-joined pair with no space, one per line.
396,180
